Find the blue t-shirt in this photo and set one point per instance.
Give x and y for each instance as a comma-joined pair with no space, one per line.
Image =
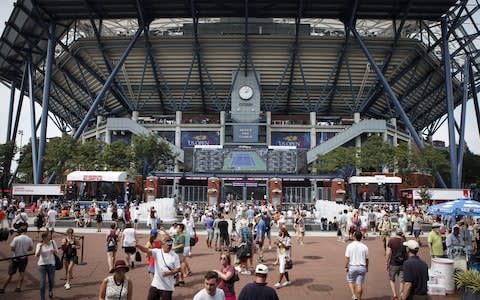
261,229
209,223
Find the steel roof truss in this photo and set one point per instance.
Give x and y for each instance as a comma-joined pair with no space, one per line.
156,70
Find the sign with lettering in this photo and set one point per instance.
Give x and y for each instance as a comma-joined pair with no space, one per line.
192,138
298,139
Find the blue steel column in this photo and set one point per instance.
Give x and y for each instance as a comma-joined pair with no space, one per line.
45,102
10,111
32,118
451,118
391,94
461,139
107,84
475,98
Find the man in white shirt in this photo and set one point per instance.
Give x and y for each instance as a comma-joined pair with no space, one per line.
52,218
167,265
210,292
20,246
356,265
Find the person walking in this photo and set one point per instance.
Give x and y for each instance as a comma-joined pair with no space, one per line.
51,218
226,276
98,218
245,248
69,248
167,265
153,242
129,241
112,245
415,274
395,257
117,286
258,290
284,245
385,228
210,291
45,251
179,249
356,265
20,246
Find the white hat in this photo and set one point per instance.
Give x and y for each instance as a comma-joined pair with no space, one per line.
412,244
436,225
261,269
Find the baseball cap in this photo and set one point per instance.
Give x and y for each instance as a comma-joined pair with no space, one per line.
436,225
261,269
412,244
153,232
399,231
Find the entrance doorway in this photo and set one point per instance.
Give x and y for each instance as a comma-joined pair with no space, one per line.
246,191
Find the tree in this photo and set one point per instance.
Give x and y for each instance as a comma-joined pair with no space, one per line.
58,157
86,155
376,154
336,159
116,156
7,152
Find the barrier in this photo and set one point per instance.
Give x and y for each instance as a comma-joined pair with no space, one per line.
442,269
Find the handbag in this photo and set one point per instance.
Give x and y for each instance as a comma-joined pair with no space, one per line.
58,262
288,263
193,241
138,256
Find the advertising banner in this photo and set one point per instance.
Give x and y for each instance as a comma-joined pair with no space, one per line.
245,133
192,138
300,140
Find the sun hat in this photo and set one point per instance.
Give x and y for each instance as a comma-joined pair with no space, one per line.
120,264
412,244
261,269
436,225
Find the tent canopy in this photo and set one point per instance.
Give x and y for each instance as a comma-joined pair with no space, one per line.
109,176
459,207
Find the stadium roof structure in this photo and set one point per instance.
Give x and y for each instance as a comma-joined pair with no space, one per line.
310,56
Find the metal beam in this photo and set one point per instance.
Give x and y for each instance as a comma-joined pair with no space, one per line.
450,106
461,138
33,128
418,141
45,102
108,82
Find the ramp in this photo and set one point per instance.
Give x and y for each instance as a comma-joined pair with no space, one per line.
132,126
365,126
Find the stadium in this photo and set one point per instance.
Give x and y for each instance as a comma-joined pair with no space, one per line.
247,93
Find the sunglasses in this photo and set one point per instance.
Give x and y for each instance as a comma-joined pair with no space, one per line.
169,242
223,257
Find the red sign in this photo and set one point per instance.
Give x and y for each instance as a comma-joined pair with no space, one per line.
92,177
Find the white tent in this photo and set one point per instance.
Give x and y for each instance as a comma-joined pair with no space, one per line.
108,176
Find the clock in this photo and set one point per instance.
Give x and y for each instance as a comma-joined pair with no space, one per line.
245,92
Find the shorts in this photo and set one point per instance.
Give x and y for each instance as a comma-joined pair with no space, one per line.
224,240
416,232
151,269
210,234
268,233
154,293
395,271
372,225
281,264
135,221
180,256
130,250
356,274
19,264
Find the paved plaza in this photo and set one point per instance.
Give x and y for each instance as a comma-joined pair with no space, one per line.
318,271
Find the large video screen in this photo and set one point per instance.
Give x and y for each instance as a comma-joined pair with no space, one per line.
254,160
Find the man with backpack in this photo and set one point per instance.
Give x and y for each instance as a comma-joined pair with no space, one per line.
385,229
395,257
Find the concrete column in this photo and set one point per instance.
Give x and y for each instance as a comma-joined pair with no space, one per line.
97,132
222,128
268,115
108,136
135,115
313,131
358,139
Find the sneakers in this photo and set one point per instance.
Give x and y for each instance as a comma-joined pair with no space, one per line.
238,269
245,273
277,285
269,247
286,283
67,286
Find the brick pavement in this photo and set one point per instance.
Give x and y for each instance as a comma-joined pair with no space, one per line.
318,271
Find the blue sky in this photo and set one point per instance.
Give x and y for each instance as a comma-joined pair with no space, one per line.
472,135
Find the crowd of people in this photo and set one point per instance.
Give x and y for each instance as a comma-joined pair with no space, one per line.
243,237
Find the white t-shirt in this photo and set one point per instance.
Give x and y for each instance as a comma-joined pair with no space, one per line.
169,261
202,295
358,253
46,253
21,244
52,215
129,237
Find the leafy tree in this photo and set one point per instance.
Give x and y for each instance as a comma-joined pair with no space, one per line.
86,155
58,157
336,159
375,154
7,152
471,165
151,153
25,165
116,156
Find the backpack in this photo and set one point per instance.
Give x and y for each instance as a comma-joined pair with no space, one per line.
4,233
400,256
112,241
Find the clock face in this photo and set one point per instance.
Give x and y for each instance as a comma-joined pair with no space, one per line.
245,92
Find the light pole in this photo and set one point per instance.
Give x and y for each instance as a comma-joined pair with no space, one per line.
20,133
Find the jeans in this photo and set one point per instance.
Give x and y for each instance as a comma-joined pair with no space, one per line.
46,270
